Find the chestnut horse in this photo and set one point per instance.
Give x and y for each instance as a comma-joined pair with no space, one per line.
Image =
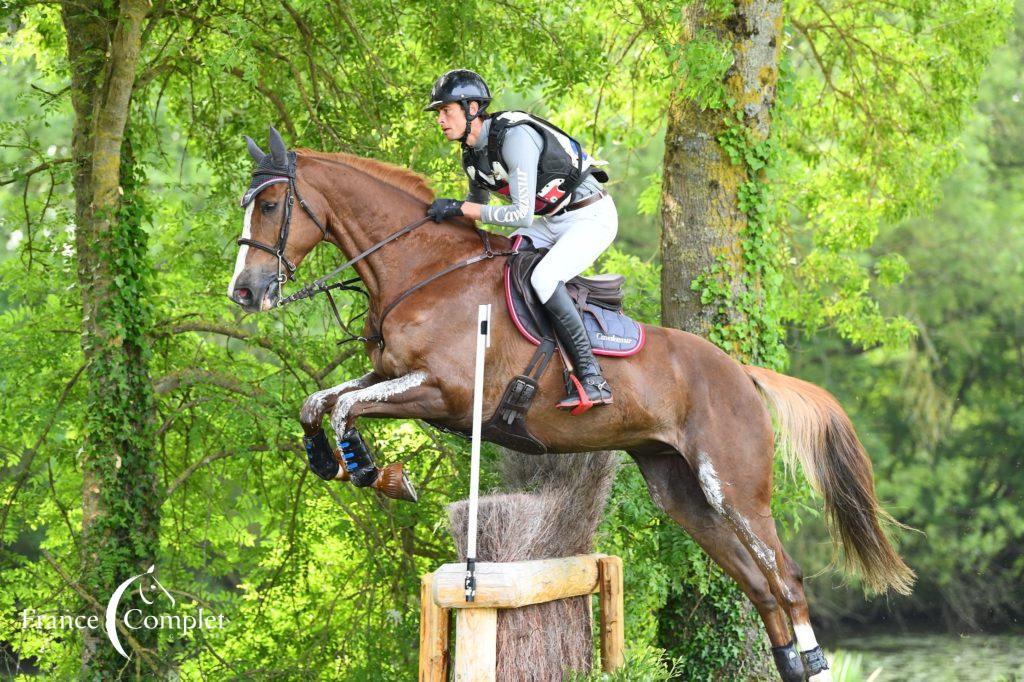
696,422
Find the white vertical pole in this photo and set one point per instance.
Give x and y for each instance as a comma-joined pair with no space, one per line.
483,341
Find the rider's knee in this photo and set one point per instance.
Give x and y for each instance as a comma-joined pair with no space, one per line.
543,283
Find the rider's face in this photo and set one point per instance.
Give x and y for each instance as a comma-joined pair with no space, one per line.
452,119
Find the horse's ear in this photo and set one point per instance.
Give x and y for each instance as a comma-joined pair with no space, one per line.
255,152
278,151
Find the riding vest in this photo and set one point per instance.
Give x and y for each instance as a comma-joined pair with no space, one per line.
563,163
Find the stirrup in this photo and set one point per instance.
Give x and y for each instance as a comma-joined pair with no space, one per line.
581,402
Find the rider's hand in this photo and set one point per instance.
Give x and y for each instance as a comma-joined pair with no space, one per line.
442,209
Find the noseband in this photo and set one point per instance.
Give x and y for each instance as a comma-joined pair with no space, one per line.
285,268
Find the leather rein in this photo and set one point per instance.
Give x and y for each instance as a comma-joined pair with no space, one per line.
286,269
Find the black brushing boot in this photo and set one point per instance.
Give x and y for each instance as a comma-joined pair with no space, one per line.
320,455
814,661
591,388
358,460
391,480
789,663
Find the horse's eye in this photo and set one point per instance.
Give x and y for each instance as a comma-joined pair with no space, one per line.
268,206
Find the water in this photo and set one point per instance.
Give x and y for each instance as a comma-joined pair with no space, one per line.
932,658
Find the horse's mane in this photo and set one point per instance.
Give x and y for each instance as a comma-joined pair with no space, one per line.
407,180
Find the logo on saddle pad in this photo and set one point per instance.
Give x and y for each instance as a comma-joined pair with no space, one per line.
614,339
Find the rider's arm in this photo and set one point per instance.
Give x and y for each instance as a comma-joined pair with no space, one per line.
521,153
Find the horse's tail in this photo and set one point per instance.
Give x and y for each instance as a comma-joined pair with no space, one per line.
813,428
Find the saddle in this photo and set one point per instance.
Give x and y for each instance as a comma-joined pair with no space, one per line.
598,299
612,333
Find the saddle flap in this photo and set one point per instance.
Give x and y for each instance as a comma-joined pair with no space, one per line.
521,265
603,290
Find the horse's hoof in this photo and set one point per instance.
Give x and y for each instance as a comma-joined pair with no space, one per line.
395,484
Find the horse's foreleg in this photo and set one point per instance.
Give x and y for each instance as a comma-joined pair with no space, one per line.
409,396
319,452
318,404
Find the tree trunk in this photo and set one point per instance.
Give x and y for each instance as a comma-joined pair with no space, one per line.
703,228
700,204
119,486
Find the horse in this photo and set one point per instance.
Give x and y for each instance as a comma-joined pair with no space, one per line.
696,422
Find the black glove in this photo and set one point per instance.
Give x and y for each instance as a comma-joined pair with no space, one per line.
442,209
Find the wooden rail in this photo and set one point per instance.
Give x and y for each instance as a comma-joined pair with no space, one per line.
506,586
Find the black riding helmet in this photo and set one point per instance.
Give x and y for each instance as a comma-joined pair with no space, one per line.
462,86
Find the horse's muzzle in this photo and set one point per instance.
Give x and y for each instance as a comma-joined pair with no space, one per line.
257,290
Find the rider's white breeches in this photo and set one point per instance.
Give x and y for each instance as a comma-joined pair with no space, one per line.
576,239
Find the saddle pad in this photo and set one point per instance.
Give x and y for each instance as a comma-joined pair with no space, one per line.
612,332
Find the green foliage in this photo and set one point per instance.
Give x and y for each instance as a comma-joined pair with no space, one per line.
943,419
871,103
644,663
846,666
702,63
321,581
747,321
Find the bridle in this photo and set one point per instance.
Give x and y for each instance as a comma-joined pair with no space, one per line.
286,269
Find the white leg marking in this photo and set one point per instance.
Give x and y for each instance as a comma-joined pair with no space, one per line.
243,250
709,483
378,393
314,404
805,636
805,641
765,555
712,487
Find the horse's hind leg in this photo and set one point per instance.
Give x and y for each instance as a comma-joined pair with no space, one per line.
677,491
744,500
794,600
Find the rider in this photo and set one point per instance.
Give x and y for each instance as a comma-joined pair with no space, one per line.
557,201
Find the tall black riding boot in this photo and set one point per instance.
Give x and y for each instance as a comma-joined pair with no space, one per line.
591,388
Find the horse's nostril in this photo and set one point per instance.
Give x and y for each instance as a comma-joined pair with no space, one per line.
243,295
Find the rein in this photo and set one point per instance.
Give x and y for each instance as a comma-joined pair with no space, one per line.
286,269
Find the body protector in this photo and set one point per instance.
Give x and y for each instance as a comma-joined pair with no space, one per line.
563,163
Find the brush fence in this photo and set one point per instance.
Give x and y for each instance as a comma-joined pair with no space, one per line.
508,586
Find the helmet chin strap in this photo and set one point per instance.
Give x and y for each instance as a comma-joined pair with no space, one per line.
469,121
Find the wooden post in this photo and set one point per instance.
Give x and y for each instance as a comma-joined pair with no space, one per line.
433,635
519,583
511,585
612,611
476,645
